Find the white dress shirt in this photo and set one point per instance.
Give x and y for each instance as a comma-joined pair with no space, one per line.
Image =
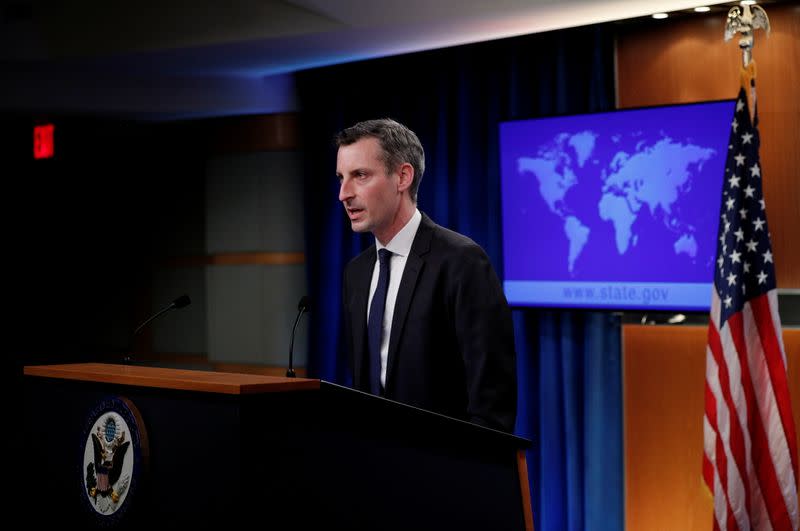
399,246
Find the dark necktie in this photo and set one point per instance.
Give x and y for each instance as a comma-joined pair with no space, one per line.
375,322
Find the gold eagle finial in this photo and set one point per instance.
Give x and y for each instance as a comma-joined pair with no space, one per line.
745,20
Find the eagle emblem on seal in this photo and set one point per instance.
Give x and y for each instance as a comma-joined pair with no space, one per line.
106,481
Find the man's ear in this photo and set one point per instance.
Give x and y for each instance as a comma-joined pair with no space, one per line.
406,173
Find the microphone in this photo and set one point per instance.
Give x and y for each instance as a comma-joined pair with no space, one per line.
302,307
180,302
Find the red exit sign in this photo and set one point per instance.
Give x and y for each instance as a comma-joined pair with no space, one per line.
43,147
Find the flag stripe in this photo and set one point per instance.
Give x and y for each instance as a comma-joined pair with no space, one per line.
760,516
731,436
714,448
716,451
734,334
777,449
708,472
753,430
742,390
710,437
774,354
761,454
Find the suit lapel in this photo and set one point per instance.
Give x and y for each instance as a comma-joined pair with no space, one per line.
405,294
363,277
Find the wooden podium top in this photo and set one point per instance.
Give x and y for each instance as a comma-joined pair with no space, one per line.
187,380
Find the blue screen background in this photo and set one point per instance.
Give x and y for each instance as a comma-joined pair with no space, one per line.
629,196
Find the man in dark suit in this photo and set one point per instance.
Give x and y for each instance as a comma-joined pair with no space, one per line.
426,319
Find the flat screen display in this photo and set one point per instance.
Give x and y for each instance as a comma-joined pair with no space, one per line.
614,210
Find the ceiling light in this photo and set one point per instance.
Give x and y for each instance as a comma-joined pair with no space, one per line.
660,15
702,9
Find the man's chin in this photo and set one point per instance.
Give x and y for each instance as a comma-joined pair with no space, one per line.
359,226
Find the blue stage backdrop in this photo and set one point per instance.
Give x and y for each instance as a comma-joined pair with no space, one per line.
570,401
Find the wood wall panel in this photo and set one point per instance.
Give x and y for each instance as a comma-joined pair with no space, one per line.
251,134
687,60
663,379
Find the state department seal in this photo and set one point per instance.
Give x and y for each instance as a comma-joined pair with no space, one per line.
114,448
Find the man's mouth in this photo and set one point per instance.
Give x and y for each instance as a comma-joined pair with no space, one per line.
354,212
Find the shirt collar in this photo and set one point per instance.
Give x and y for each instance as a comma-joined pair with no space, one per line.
402,241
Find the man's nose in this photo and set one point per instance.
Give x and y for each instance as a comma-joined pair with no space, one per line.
345,190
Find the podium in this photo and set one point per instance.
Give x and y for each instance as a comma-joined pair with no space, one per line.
207,449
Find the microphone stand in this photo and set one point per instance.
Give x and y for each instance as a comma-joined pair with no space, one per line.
303,307
180,302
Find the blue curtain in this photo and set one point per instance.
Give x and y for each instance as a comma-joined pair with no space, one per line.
568,362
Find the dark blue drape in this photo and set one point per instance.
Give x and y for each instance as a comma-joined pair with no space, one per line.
568,362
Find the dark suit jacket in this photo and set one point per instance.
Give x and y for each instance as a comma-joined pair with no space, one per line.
451,348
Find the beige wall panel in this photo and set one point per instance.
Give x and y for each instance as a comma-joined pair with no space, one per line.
663,379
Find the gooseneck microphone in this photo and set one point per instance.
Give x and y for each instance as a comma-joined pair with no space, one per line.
180,302
302,307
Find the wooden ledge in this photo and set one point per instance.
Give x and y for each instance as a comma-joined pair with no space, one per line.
187,380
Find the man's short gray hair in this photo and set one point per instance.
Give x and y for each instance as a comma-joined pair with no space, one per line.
399,143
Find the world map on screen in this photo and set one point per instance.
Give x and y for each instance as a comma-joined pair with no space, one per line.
625,196
647,180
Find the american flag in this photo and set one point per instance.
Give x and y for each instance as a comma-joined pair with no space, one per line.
750,461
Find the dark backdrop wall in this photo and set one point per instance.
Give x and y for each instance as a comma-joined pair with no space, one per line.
84,228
